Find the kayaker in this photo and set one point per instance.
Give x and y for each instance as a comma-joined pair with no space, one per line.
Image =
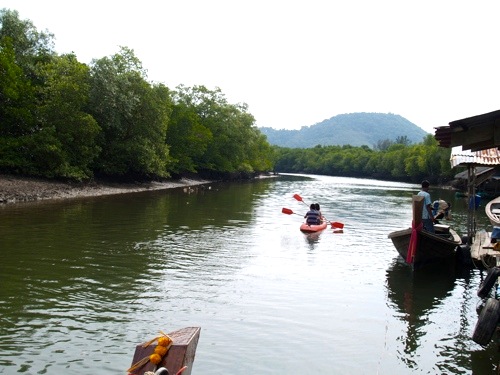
427,217
317,208
313,216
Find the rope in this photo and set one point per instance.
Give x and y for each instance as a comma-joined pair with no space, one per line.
164,342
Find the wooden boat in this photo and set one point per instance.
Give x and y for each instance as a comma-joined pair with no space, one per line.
430,247
178,359
306,228
493,211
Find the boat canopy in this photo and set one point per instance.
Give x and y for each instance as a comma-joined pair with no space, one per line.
473,133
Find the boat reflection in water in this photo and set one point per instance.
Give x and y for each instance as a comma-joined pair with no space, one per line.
415,296
312,238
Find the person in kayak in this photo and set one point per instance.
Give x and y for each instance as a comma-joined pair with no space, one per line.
313,216
317,208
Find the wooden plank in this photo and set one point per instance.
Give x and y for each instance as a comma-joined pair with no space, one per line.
482,251
477,245
472,140
496,131
180,354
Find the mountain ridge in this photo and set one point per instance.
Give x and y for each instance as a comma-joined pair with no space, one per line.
355,129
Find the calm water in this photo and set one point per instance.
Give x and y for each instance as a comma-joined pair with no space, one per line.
83,281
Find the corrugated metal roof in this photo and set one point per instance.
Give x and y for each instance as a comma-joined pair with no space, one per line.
490,156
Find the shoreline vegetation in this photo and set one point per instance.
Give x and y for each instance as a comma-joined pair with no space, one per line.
21,189
24,189
66,120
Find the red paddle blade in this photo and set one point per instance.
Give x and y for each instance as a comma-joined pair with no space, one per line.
336,224
298,197
286,211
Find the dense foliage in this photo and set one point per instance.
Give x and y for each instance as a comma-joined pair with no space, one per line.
61,118
398,161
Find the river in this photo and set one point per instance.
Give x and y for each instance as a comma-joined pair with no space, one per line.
83,281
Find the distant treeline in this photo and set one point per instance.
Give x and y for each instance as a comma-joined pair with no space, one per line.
390,161
60,118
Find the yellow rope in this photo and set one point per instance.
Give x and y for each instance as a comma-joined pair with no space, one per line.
159,353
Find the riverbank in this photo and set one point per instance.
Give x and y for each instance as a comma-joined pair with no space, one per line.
17,189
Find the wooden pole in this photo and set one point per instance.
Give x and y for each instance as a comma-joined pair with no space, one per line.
417,208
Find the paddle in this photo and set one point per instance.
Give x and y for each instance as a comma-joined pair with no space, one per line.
299,198
288,211
334,224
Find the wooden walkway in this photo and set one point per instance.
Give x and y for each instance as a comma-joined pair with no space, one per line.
482,252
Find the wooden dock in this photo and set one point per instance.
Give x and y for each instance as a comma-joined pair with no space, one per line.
180,354
482,252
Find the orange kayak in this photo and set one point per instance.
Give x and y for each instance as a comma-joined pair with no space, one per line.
306,228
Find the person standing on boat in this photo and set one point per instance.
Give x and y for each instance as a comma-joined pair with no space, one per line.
313,216
427,217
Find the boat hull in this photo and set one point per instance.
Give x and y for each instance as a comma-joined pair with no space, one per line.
431,248
306,228
492,210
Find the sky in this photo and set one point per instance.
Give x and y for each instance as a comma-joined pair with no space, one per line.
296,63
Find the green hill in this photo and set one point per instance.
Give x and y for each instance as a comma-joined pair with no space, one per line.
355,129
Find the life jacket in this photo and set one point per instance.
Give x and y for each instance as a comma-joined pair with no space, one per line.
313,217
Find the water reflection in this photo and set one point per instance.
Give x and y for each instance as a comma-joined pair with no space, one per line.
415,295
312,238
96,276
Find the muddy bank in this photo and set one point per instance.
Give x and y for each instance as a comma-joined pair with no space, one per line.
16,189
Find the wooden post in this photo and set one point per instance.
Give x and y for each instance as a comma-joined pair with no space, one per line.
180,354
417,206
